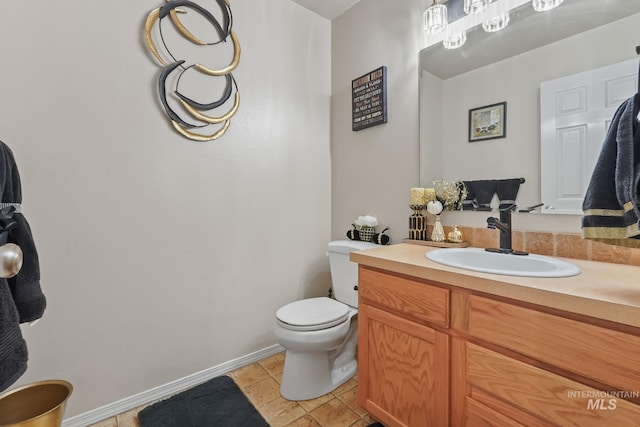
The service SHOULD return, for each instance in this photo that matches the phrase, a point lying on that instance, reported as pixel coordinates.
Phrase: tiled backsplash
(564, 245)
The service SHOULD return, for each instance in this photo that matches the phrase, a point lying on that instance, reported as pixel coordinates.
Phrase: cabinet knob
(355, 288)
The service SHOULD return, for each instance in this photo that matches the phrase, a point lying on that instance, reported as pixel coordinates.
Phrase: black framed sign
(369, 99)
(488, 122)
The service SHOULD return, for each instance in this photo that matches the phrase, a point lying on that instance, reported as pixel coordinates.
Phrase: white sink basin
(514, 265)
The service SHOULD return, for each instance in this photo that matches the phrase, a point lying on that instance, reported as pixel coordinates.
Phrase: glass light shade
(472, 7)
(435, 18)
(454, 41)
(496, 23)
(544, 5)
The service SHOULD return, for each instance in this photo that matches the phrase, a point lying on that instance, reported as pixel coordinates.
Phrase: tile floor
(260, 382)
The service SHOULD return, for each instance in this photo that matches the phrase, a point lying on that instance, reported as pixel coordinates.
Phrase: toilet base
(310, 375)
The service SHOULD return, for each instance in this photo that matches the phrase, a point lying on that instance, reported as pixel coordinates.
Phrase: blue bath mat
(217, 403)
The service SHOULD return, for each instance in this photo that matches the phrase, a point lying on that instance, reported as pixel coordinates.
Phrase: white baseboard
(166, 390)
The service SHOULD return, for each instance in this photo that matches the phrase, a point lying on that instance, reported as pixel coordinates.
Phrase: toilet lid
(313, 313)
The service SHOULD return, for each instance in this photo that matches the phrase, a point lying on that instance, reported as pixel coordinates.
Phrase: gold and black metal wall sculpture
(199, 121)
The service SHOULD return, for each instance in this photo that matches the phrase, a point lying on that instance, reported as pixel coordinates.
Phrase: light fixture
(435, 18)
(544, 5)
(473, 7)
(454, 41)
(455, 36)
(496, 23)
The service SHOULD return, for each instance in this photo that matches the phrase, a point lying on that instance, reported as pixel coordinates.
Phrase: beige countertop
(602, 290)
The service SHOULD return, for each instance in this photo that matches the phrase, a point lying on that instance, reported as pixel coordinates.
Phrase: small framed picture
(488, 122)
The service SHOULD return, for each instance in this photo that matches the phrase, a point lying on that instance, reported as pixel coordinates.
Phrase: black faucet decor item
(504, 225)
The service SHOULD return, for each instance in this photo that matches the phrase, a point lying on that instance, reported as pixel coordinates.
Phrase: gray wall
(374, 168)
(160, 256)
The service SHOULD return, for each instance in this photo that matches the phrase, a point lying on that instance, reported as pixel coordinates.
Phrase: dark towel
(25, 286)
(611, 202)
(484, 190)
(507, 191)
(468, 202)
(13, 349)
(21, 299)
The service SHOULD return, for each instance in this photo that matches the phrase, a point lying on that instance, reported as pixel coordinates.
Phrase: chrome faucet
(504, 225)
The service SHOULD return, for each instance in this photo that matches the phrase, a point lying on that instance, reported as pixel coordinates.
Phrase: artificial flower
(366, 221)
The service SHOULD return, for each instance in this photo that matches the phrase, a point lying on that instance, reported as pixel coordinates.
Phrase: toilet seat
(312, 314)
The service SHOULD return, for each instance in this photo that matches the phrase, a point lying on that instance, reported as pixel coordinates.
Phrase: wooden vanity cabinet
(439, 355)
(403, 359)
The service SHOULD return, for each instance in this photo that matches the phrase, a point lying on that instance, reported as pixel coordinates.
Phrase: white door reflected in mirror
(575, 112)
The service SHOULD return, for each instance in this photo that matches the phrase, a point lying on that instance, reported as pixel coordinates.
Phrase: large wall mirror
(509, 66)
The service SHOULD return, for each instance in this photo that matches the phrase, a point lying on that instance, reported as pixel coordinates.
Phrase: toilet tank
(344, 273)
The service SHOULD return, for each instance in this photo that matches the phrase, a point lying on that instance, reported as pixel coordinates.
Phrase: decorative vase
(438, 231)
(366, 233)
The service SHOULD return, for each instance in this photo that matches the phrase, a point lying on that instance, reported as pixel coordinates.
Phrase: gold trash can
(39, 404)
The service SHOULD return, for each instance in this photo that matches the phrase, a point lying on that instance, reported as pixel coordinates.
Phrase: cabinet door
(403, 370)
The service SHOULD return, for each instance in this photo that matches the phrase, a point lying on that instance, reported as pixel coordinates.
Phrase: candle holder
(417, 223)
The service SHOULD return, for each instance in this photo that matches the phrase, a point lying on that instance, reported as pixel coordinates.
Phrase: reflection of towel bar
(530, 208)
(522, 180)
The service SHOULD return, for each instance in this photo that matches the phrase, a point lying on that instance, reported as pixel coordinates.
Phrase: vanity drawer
(605, 355)
(406, 297)
(509, 386)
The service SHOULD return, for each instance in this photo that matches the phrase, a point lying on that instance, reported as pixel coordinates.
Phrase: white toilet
(320, 334)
